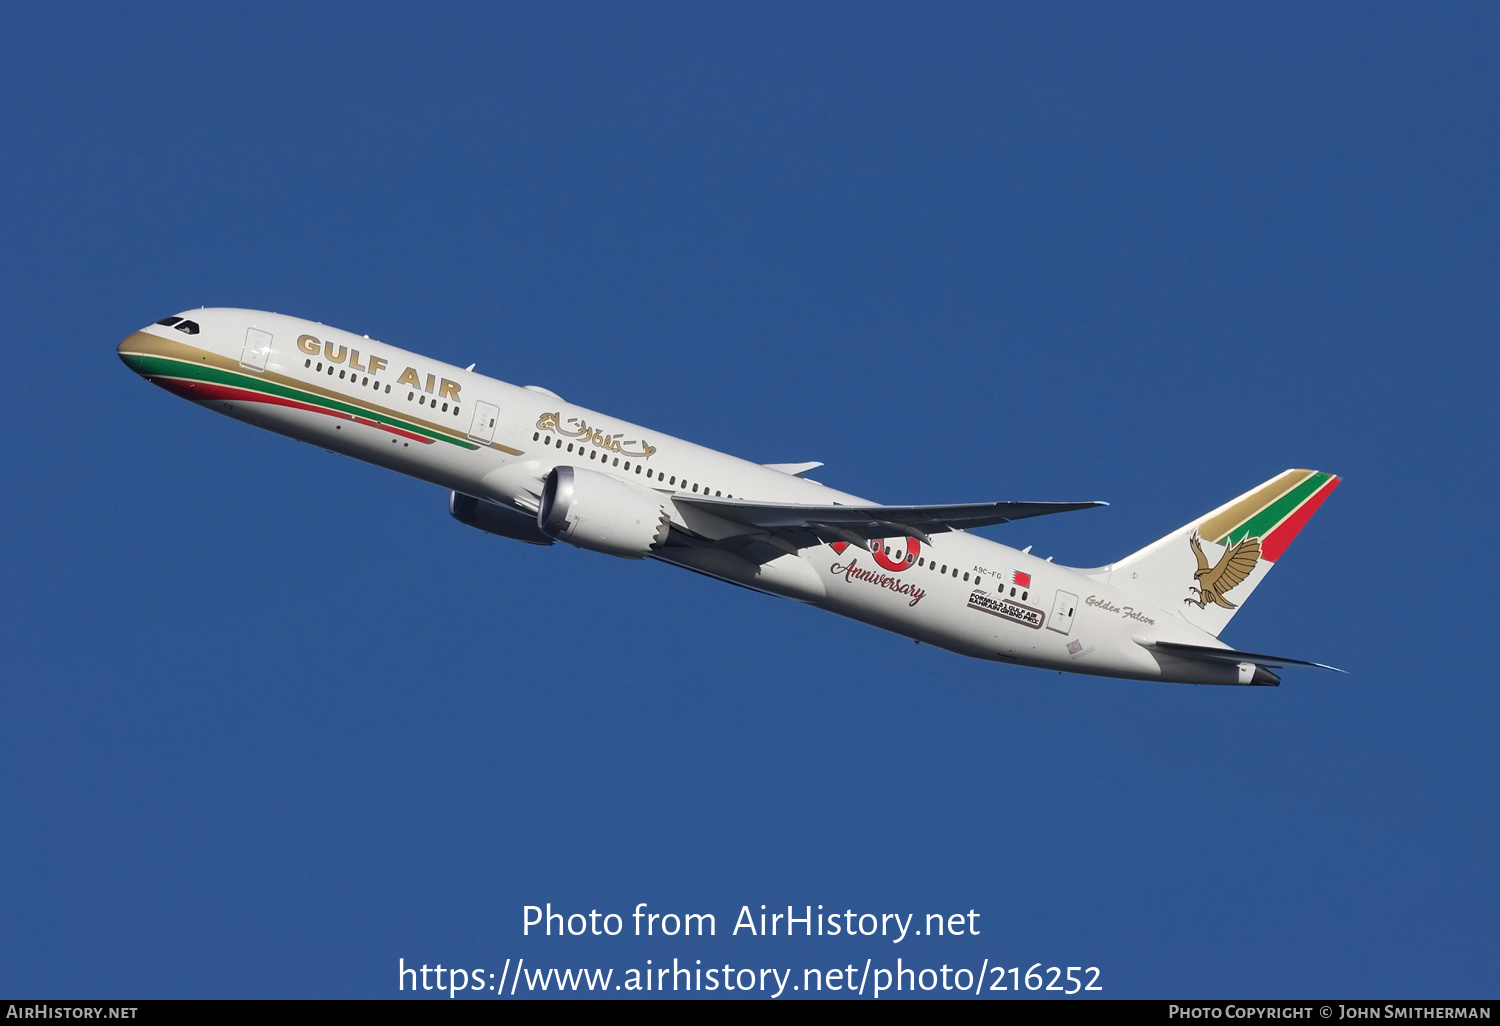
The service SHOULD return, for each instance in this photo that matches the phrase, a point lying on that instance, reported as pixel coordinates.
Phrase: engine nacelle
(602, 513)
(493, 518)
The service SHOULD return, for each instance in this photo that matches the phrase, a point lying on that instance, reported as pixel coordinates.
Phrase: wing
(804, 526)
(795, 469)
(1234, 566)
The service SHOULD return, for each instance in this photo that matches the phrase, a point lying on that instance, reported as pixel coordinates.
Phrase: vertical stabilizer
(1206, 569)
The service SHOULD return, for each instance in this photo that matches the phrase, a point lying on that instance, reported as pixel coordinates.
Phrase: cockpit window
(169, 321)
(191, 327)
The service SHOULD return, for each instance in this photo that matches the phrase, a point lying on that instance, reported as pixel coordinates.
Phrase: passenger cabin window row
(181, 324)
(922, 561)
(650, 473)
(906, 558)
(422, 400)
(364, 380)
(353, 378)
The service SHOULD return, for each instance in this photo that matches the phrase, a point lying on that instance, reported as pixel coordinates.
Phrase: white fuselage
(963, 593)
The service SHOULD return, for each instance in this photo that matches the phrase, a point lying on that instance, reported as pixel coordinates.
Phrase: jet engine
(493, 518)
(595, 511)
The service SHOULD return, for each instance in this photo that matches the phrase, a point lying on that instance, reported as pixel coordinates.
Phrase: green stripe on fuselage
(162, 366)
(1263, 522)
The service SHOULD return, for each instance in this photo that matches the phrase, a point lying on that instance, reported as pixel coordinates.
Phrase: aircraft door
(257, 349)
(1063, 609)
(485, 417)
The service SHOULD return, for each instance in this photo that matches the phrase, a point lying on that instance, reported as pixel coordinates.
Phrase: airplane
(525, 464)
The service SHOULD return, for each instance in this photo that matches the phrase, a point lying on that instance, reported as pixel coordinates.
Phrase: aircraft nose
(139, 346)
(129, 352)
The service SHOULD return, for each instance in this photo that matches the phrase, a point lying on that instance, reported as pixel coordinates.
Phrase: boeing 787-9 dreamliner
(523, 463)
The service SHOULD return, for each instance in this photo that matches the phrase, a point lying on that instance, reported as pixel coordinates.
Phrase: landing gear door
(1063, 609)
(257, 349)
(483, 428)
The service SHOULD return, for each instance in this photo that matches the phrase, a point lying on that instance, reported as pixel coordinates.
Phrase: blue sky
(271, 720)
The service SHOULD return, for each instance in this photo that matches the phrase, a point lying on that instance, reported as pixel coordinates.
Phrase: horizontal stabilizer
(1210, 654)
(805, 526)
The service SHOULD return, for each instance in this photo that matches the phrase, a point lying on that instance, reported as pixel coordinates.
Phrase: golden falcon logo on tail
(1233, 567)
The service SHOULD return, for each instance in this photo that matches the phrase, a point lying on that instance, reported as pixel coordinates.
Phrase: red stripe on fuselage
(201, 391)
(1274, 544)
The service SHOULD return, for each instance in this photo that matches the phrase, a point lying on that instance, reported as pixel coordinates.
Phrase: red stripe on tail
(1274, 544)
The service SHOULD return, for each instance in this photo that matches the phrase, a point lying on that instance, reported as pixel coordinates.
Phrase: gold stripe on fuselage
(147, 344)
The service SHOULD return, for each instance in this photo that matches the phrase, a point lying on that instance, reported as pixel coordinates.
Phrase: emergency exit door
(257, 349)
(1063, 609)
(483, 428)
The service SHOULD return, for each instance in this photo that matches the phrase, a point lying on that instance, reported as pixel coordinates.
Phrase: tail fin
(1207, 569)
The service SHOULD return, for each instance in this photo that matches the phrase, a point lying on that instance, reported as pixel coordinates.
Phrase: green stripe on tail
(1264, 521)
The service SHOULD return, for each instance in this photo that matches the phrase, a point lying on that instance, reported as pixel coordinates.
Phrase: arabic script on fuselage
(578, 429)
